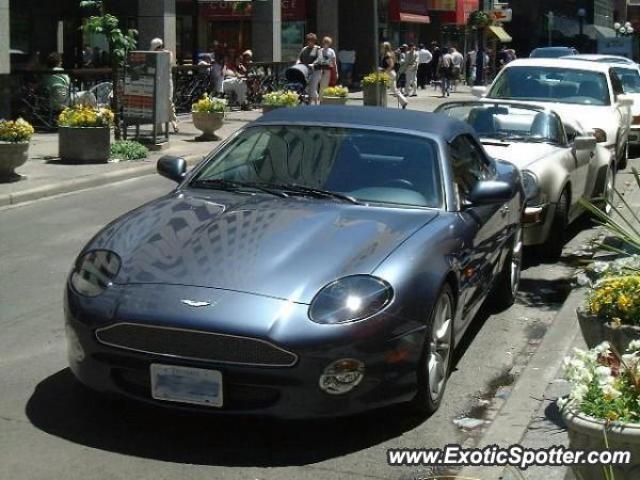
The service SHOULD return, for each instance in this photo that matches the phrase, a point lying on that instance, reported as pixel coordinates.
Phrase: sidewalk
(529, 416)
(45, 175)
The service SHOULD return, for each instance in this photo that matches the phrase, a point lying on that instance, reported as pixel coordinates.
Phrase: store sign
(219, 10)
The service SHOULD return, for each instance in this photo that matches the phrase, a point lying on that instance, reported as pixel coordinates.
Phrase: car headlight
(350, 299)
(94, 272)
(531, 186)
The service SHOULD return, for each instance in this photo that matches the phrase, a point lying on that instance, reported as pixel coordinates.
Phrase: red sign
(461, 15)
(292, 10)
(413, 11)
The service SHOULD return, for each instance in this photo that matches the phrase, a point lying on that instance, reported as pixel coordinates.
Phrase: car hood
(521, 154)
(286, 248)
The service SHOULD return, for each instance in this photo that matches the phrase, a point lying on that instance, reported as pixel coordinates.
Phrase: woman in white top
(325, 62)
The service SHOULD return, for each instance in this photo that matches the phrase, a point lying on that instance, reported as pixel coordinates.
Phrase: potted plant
(14, 146)
(479, 19)
(208, 116)
(335, 95)
(279, 99)
(374, 89)
(84, 133)
(612, 311)
(602, 410)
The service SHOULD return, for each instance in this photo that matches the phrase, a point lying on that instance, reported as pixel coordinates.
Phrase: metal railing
(39, 96)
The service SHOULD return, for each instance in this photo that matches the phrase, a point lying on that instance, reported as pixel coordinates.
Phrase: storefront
(453, 23)
(404, 21)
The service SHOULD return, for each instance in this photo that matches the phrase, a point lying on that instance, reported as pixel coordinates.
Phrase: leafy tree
(120, 44)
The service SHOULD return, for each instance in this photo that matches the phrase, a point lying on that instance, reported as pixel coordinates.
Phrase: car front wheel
(555, 242)
(435, 361)
(505, 289)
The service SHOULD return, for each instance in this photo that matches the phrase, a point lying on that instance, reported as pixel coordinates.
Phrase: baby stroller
(297, 78)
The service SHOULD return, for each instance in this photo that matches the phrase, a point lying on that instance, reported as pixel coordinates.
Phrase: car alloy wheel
(504, 290)
(515, 263)
(607, 193)
(555, 242)
(439, 355)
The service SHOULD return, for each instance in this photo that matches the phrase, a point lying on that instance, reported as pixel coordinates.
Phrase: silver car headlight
(94, 272)
(531, 186)
(350, 299)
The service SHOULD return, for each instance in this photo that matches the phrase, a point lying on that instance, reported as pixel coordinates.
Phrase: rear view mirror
(479, 91)
(585, 143)
(625, 101)
(173, 168)
(488, 192)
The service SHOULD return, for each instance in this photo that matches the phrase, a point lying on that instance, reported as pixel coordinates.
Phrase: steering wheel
(400, 182)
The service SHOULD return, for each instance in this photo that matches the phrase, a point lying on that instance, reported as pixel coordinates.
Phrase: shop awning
(413, 18)
(500, 32)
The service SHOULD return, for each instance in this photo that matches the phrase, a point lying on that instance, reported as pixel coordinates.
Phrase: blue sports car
(322, 261)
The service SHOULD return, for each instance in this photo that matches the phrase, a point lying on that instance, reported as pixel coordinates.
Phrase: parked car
(552, 52)
(559, 160)
(323, 261)
(590, 91)
(629, 73)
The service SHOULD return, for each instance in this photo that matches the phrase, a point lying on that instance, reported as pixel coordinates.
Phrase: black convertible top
(433, 123)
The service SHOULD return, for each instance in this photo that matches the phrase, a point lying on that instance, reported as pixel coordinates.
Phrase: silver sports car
(560, 162)
(323, 261)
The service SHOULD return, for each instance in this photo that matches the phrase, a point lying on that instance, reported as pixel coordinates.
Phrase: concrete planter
(334, 100)
(587, 433)
(84, 144)
(595, 331)
(208, 123)
(12, 156)
(374, 95)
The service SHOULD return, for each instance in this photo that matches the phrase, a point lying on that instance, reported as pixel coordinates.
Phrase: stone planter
(84, 144)
(334, 100)
(208, 123)
(595, 331)
(374, 95)
(587, 433)
(12, 156)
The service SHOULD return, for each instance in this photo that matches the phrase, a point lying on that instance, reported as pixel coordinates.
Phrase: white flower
(630, 359)
(610, 392)
(603, 349)
(578, 393)
(634, 346)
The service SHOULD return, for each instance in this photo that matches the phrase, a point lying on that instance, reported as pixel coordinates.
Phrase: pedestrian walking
(347, 60)
(457, 64)
(424, 59)
(157, 45)
(411, 71)
(325, 63)
(435, 62)
(444, 73)
(401, 67)
(387, 65)
(308, 56)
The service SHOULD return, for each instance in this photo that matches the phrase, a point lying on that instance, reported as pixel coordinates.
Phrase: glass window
(630, 79)
(370, 166)
(469, 165)
(562, 85)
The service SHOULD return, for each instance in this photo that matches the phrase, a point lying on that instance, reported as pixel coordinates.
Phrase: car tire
(606, 192)
(505, 289)
(552, 248)
(624, 158)
(437, 352)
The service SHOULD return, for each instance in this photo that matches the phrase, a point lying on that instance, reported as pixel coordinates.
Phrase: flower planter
(595, 331)
(334, 100)
(208, 123)
(587, 433)
(374, 95)
(84, 144)
(12, 156)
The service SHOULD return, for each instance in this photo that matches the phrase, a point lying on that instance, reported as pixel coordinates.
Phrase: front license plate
(186, 385)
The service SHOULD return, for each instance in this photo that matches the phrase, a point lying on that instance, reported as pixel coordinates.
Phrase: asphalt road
(53, 429)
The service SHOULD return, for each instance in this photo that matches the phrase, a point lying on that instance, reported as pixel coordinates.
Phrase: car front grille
(195, 345)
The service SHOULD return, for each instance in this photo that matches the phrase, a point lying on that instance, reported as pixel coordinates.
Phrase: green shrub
(128, 150)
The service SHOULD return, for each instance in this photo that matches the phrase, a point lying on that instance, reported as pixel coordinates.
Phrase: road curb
(513, 419)
(88, 181)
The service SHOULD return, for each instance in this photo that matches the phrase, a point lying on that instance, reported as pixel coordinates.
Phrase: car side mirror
(489, 192)
(625, 101)
(173, 168)
(478, 91)
(585, 143)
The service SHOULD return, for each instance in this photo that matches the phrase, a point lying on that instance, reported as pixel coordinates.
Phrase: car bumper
(536, 222)
(390, 357)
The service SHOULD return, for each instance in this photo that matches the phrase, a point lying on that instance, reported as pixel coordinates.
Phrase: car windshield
(552, 84)
(553, 52)
(363, 165)
(630, 78)
(508, 122)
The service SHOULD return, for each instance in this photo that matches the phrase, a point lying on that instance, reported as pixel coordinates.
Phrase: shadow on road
(60, 406)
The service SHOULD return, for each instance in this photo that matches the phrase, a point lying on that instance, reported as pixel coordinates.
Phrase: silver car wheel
(607, 195)
(516, 262)
(440, 347)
